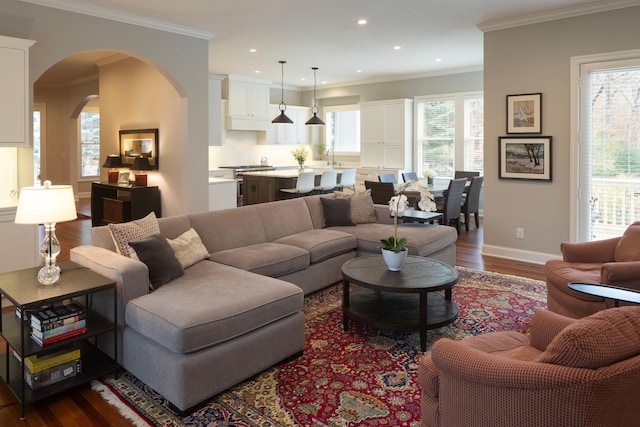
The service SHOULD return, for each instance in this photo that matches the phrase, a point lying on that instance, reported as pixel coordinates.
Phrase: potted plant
(394, 250)
(300, 154)
(429, 174)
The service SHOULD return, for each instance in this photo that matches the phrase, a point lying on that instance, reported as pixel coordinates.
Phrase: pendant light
(282, 118)
(315, 120)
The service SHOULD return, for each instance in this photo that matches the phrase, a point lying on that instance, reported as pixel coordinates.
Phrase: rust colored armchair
(567, 372)
(613, 261)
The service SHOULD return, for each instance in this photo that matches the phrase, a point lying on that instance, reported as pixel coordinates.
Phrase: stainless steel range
(238, 171)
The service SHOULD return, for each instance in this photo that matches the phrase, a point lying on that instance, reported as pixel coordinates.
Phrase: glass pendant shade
(314, 120)
(282, 117)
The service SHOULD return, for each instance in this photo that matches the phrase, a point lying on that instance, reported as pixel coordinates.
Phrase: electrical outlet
(519, 233)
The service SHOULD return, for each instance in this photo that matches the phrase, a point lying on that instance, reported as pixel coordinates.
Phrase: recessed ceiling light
(358, 71)
(252, 50)
(438, 59)
(257, 71)
(324, 82)
(362, 21)
(303, 78)
(397, 48)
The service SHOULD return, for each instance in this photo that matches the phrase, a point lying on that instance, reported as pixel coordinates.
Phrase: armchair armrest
(545, 325)
(594, 251)
(624, 274)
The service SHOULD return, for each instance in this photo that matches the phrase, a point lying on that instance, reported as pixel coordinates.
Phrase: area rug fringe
(114, 400)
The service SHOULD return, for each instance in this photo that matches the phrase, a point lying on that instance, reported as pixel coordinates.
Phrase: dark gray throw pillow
(337, 212)
(156, 253)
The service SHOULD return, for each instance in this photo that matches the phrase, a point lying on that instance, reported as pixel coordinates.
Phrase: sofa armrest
(590, 252)
(382, 212)
(131, 277)
(545, 325)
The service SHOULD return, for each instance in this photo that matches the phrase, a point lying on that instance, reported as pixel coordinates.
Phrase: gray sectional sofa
(237, 312)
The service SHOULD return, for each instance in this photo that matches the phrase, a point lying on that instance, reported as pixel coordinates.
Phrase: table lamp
(113, 161)
(141, 164)
(47, 205)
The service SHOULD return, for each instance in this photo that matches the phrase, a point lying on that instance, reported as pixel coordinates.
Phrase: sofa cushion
(269, 259)
(628, 247)
(133, 231)
(337, 212)
(284, 218)
(362, 209)
(188, 248)
(229, 228)
(158, 256)
(561, 273)
(508, 344)
(601, 339)
(210, 304)
(321, 244)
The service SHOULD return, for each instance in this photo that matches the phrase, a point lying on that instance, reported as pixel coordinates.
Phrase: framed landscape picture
(525, 157)
(139, 143)
(524, 113)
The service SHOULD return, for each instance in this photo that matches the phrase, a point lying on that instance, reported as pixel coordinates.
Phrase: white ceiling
(325, 33)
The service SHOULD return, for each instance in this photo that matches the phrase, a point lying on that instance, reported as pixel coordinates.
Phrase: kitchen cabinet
(289, 134)
(386, 134)
(222, 194)
(15, 120)
(247, 103)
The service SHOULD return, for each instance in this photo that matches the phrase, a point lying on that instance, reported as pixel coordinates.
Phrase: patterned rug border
(144, 407)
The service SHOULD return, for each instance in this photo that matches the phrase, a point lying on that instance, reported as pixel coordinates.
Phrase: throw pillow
(362, 209)
(337, 212)
(188, 248)
(601, 339)
(628, 247)
(156, 253)
(133, 231)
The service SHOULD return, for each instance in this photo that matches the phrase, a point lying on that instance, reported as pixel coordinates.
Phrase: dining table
(437, 189)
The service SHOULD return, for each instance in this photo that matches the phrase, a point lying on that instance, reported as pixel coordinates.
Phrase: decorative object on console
(300, 154)
(282, 118)
(139, 143)
(113, 161)
(315, 120)
(47, 205)
(141, 164)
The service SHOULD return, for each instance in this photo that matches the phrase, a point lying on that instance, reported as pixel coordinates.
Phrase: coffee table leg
(345, 304)
(423, 321)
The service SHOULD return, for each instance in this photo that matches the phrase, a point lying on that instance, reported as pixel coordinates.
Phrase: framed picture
(524, 113)
(136, 143)
(123, 178)
(525, 157)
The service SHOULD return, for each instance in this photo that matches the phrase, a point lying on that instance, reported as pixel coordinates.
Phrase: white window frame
(339, 108)
(42, 108)
(459, 127)
(81, 178)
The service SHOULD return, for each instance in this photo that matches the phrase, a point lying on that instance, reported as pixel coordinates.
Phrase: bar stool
(304, 184)
(328, 182)
(347, 180)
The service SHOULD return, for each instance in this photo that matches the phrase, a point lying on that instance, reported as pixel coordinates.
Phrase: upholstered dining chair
(451, 206)
(304, 185)
(409, 176)
(471, 201)
(381, 192)
(347, 180)
(388, 177)
(328, 182)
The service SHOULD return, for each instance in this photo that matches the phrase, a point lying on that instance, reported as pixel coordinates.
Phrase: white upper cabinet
(15, 118)
(247, 103)
(386, 134)
(289, 134)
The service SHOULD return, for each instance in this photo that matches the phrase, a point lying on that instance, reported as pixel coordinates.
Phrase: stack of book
(58, 323)
(42, 371)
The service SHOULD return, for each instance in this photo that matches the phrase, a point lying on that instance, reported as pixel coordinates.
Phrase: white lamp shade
(46, 204)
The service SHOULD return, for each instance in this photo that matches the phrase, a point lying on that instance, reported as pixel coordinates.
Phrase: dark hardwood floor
(83, 407)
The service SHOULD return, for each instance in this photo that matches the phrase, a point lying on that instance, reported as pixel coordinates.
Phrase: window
(450, 133)
(342, 128)
(89, 124)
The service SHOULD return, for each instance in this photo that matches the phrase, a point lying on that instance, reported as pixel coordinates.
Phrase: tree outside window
(89, 143)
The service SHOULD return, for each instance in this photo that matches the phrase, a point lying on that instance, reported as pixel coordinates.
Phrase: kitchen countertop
(221, 180)
(287, 173)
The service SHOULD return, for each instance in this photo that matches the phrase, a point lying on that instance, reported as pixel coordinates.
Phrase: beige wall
(529, 59)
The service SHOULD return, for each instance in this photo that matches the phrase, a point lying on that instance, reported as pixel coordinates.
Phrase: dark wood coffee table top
(417, 273)
(607, 291)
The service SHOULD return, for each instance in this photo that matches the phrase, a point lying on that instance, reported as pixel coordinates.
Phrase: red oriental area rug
(361, 377)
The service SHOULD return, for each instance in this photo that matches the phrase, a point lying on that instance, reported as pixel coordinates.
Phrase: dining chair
(381, 192)
(328, 182)
(304, 185)
(347, 180)
(452, 204)
(465, 174)
(388, 177)
(471, 202)
(409, 176)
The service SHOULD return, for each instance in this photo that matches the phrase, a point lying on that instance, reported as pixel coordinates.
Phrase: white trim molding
(530, 257)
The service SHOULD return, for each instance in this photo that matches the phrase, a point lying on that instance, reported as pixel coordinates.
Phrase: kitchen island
(264, 186)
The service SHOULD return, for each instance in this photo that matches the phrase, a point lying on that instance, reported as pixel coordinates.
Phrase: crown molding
(112, 15)
(552, 15)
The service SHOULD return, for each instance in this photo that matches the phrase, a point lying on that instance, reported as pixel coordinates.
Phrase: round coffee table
(386, 299)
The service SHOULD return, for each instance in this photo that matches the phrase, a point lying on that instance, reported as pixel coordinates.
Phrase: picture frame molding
(144, 135)
(513, 127)
(507, 172)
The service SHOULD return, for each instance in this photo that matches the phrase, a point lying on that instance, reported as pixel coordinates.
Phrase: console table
(121, 203)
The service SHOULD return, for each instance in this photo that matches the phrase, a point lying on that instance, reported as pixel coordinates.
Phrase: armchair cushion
(628, 248)
(599, 340)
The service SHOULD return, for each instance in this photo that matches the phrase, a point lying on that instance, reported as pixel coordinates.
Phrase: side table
(28, 295)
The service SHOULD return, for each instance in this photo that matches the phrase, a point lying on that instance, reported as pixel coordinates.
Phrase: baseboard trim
(518, 254)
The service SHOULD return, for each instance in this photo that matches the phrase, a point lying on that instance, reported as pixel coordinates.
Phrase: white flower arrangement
(300, 154)
(428, 173)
